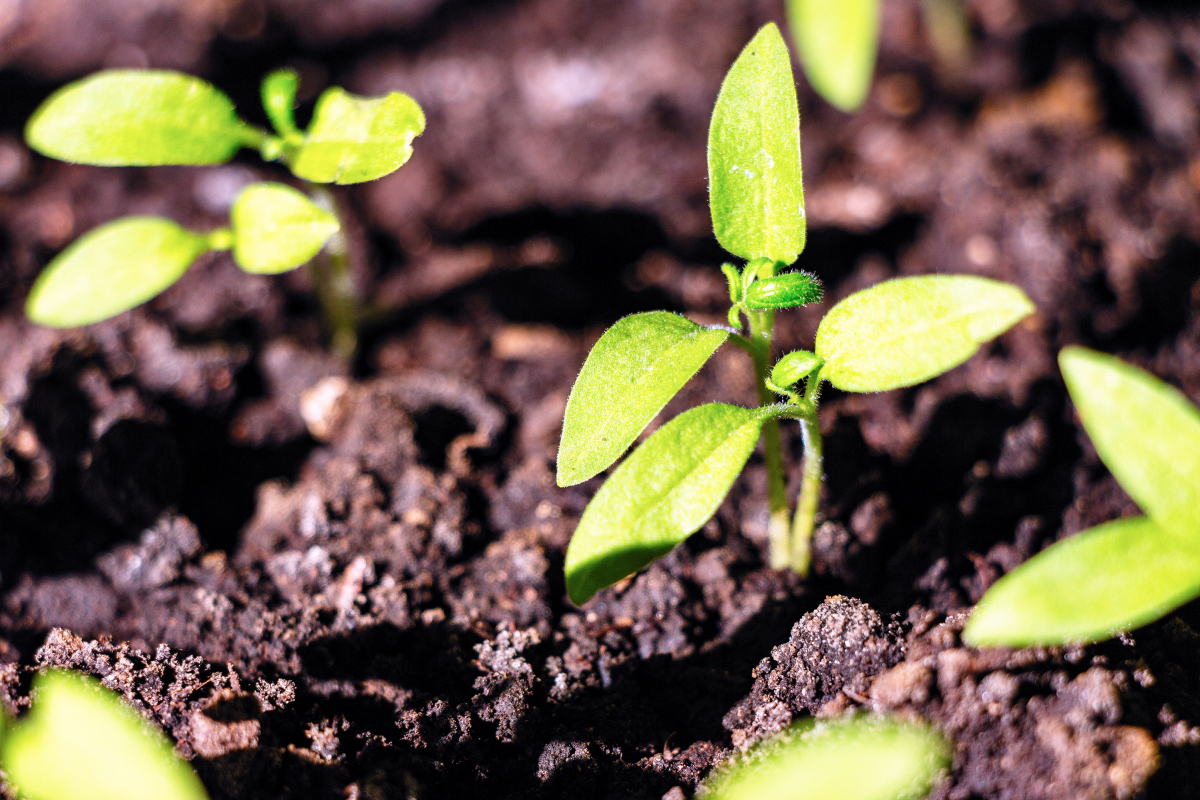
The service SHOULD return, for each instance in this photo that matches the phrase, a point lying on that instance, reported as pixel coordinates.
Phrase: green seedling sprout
(852, 758)
(1123, 574)
(897, 333)
(155, 117)
(80, 742)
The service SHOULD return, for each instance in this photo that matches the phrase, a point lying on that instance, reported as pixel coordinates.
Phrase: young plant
(154, 118)
(1122, 574)
(852, 758)
(80, 742)
(898, 333)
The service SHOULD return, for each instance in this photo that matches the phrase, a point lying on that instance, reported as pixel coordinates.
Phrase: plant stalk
(762, 324)
(810, 486)
(334, 283)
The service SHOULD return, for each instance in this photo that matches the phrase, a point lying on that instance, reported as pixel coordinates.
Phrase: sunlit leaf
(112, 269)
(354, 139)
(1146, 432)
(277, 228)
(905, 331)
(855, 758)
(1111, 578)
(138, 117)
(279, 99)
(788, 290)
(837, 43)
(80, 742)
(634, 369)
(660, 495)
(755, 190)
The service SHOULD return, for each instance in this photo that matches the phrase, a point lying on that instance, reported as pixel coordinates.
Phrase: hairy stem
(810, 486)
(762, 324)
(334, 283)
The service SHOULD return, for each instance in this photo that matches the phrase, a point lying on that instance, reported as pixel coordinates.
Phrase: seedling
(153, 117)
(1122, 574)
(897, 333)
(80, 742)
(852, 758)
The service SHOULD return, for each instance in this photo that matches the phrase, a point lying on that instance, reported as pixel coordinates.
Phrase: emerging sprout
(898, 333)
(853, 758)
(80, 742)
(155, 117)
(1127, 573)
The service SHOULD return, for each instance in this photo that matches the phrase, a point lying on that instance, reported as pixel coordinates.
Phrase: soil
(357, 592)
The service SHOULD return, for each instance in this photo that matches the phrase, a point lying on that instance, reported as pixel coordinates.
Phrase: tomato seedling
(154, 118)
(897, 333)
(1122, 574)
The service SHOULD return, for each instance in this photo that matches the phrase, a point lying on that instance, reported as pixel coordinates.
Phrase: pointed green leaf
(637, 366)
(1146, 432)
(851, 758)
(138, 118)
(660, 495)
(354, 139)
(111, 269)
(279, 100)
(276, 228)
(837, 43)
(788, 290)
(905, 331)
(1111, 578)
(755, 189)
(80, 742)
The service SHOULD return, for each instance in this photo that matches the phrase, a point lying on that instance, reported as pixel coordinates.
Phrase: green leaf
(637, 366)
(793, 366)
(788, 290)
(1111, 578)
(279, 100)
(905, 331)
(354, 139)
(111, 269)
(755, 188)
(660, 495)
(1146, 432)
(852, 758)
(138, 118)
(80, 742)
(276, 228)
(837, 43)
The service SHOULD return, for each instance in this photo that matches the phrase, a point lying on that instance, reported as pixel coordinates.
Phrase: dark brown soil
(366, 600)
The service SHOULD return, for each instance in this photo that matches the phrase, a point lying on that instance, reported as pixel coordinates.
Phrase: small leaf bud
(784, 291)
(794, 366)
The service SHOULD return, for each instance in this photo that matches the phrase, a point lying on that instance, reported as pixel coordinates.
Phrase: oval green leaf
(111, 269)
(905, 331)
(80, 742)
(660, 495)
(638, 365)
(1146, 432)
(855, 758)
(1111, 578)
(354, 139)
(788, 290)
(793, 366)
(755, 190)
(276, 228)
(138, 118)
(837, 43)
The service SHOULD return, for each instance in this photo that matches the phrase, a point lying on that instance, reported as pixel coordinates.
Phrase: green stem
(334, 283)
(762, 324)
(813, 471)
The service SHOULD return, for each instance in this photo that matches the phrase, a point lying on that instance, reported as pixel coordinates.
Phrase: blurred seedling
(852, 758)
(897, 333)
(1123, 574)
(837, 43)
(154, 118)
(81, 742)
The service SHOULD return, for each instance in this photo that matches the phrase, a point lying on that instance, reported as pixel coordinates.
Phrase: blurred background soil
(372, 605)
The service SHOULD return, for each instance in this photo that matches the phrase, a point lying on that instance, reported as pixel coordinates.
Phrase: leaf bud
(793, 366)
(784, 291)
